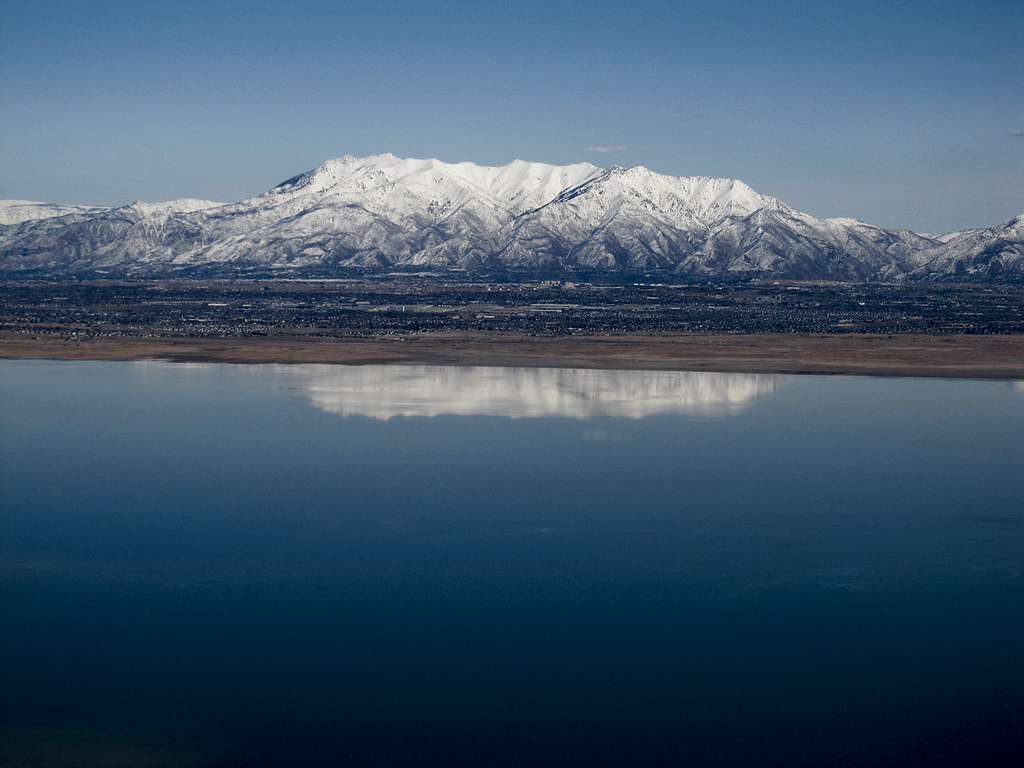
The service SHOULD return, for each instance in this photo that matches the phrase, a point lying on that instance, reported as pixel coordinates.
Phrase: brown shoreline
(981, 357)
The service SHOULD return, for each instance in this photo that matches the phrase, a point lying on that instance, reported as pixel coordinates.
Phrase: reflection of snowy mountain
(383, 392)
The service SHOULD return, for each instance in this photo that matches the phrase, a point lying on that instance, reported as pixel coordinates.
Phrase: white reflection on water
(387, 391)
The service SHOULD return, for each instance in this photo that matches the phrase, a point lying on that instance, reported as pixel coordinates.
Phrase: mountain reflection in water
(828, 575)
(386, 391)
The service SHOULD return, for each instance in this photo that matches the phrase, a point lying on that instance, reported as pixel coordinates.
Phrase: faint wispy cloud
(1016, 135)
(606, 147)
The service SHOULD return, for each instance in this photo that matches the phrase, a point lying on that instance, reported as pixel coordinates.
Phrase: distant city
(383, 305)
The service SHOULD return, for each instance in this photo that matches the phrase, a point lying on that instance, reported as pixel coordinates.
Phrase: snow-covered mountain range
(388, 212)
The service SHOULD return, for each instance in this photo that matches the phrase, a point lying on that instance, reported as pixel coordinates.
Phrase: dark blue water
(249, 566)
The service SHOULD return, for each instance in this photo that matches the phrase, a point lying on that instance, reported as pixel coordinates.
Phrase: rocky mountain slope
(387, 212)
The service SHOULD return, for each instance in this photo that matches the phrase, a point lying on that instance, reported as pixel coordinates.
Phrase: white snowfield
(384, 211)
(17, 211)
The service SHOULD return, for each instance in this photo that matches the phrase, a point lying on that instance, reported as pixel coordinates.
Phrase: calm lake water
(310, 565)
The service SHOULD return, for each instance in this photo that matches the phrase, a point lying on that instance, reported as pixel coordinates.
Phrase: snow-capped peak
(18, 211)
(699, 200)
(386, 211)
(171, 207)
(518, 185)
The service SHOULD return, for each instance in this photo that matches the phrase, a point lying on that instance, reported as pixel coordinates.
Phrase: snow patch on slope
(18, 211)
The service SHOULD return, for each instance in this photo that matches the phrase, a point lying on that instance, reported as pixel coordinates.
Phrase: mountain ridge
(383, 211)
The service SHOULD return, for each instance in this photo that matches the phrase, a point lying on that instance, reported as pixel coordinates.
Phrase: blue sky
(899, 113)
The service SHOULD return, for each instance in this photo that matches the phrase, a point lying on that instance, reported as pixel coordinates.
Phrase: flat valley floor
(963, 331)
(962, 356)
